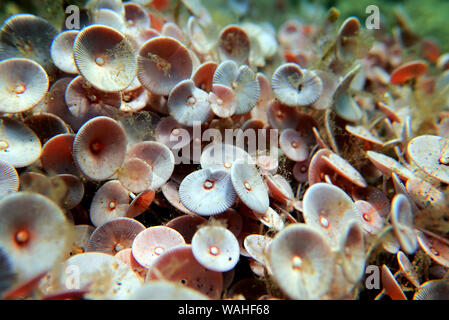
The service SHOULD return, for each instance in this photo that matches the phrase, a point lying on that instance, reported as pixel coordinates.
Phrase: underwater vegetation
(215, 150)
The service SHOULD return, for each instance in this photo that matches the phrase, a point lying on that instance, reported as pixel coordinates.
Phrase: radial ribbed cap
(108, 278)
(345, 169)
(173, 134)
(135, 99)
(257, 246)
(105, 58)
(46, 125)
(126, 256)
(166, 290)
(301, 261)
(300, 171)
(242, 80)
(249, 186)
(296, 87)
(109, 18)
(207, 191)
(281, 116)
(9, 179)
(222, 101)
(19, 145)
(234, 44)
(135, 175)
(111, 201)
(187, 225)
(28, 36)
(99, 148)
(153, 242)
(36, 236)
(62, 51)
(115, 5)
(114, 236)
(69, 190)
(408, 71)
(56, 103)
(140, 203)
(433, 290)
(371, 220)
(293, 145)
(57, 155)
(402, 221)
(329, 209)
(179, 265)
(271, 219)
(436, 247)
(189, 104)
(431, 154)
(158, 156)
(223, 155)
(279, 188)
(318, 167)
(136, 17)
(364, 134)
(204, 75)
(85, 101)
(23, 84)
(389, 165)
(162, 63)
(171, 29)
(215, 248)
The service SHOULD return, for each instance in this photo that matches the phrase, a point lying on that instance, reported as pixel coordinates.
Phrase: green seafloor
(425, 18)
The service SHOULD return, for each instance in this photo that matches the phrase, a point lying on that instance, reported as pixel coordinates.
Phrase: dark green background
(428, 18)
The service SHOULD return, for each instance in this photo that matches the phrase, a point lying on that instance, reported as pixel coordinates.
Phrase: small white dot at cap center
(112, 204)
(118, 247)
(324, 222)
(247, 185)
(191, 101)
(208, 184)
(214, 251)
(158, 251)
(3, 145)
(19, 89)
(296, 262)
(99, 61)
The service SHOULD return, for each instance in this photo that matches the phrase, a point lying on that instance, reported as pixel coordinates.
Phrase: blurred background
(426, 18)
